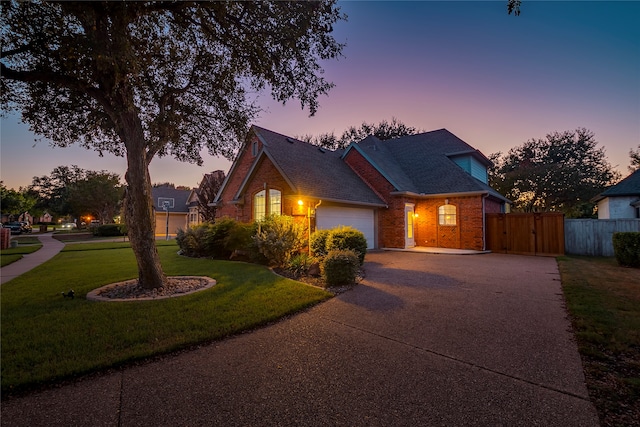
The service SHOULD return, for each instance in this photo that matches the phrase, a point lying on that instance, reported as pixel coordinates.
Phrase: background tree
(635, 159)
(383, 131)
(52, 191)
(559, 173)
(206, 193)
(16, 202)
(98, 194)
(146, 79)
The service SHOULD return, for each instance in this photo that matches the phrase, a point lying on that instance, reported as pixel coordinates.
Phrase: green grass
(46, 338)
(604, 302)
(10, 255)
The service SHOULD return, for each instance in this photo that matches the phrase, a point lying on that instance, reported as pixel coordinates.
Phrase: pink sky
(493, 80)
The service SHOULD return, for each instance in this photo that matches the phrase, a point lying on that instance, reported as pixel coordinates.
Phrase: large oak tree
(147, 79)
(560, 172)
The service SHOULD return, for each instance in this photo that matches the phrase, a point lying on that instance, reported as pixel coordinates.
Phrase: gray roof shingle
(630, 186)
(421, 163)
(180, 198)
(316, 172)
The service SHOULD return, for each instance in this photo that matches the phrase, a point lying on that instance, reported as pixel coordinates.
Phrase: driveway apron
(424, 340)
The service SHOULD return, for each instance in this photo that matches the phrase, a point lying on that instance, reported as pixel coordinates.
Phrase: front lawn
(46, 338)
(604, 302)
(25, 247)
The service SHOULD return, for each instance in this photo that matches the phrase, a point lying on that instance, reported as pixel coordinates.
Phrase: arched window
(447, 215)
(259, 206)
(275, 202)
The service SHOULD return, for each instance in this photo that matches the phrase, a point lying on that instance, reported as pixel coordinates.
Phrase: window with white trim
(447, 215)
(263, 207)
(259, 205)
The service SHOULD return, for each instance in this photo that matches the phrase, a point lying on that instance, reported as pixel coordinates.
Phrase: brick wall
(243, 163)
(466, 234)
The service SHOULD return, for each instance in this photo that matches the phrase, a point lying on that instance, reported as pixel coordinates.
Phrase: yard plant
(46, 338)
(603, 299)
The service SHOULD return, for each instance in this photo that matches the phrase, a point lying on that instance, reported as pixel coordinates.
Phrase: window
(254, 148)
(447, 215)
(275, 202)
(259, 206)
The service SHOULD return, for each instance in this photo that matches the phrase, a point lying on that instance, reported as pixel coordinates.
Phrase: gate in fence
(526, 233)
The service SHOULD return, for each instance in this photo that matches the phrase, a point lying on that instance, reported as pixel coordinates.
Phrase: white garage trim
(359, 218)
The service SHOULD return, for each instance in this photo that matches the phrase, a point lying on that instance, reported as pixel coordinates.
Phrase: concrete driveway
(426, 340)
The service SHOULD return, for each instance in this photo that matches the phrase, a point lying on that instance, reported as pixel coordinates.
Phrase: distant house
(207, 189)
(428, 189)
(177, 210)
(621, 201)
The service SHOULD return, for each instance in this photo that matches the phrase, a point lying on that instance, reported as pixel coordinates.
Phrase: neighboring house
(205, 191)
(621, 201)
(428, 189)
(178, 210)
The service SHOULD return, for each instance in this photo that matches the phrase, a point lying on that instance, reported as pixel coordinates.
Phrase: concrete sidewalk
(424, 340)
(50, 247)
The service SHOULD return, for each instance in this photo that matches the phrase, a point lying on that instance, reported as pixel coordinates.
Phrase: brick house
(428, 189)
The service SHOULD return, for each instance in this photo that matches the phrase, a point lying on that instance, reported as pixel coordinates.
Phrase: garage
(358, 218)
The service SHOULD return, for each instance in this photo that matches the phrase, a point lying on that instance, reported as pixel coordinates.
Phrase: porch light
(300, 203)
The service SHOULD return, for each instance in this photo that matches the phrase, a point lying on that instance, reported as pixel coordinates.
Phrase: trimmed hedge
(340, 267)
(108, 230)
(279, 237)
(626, 246)
(215, 240)
(318, 243)
(347, 238)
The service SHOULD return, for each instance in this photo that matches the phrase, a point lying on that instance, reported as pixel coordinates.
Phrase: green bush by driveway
(47, 338)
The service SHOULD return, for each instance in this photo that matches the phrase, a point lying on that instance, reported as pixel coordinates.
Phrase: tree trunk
(138, 205)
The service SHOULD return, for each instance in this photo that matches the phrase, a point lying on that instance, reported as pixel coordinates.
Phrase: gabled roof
(422, 164)
(180, 198)
(630, 186)
(312, 171)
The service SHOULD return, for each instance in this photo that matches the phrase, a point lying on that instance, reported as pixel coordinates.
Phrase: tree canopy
(383, 131)
(78, 192)
(635, 159)
(146, 79)
(16, 202)
(561, 172)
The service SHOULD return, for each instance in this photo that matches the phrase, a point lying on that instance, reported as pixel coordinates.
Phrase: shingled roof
(422, 164)
(313, 171)
(630, 186)
(180, 198)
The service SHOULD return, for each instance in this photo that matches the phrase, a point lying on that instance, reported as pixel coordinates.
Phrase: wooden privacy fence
(594, 236)
(526, 233)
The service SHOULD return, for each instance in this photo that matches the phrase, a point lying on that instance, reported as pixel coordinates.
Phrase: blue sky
(492, 79)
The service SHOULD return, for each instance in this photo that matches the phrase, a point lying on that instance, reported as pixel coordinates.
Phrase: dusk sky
(492, 79)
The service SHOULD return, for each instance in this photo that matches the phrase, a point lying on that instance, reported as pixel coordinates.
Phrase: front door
(409, 238)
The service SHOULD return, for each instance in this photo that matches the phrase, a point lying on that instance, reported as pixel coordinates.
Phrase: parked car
(26, 227)
(68, 225)
(16, 227)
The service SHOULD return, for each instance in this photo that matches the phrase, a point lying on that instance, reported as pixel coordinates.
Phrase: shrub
(344, 238)
(192, 242)
(278, 238)
(107, 230)
(299, 264)
(318, 243)
(340, 267)
(218, 240)
(626, 247)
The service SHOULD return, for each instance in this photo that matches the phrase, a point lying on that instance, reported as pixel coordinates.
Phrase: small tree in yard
(147, 79)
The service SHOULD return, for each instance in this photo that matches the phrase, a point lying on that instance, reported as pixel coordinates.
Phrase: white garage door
(361, 219)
